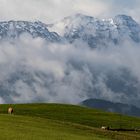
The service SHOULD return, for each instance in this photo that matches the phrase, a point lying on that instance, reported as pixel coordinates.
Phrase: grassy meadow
(63, 122)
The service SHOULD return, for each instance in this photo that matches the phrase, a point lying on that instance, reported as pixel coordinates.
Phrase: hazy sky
(52, 10)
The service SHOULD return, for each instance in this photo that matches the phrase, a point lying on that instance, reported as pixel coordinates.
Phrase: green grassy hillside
(74, 114)
(32, 128)
(63, 122)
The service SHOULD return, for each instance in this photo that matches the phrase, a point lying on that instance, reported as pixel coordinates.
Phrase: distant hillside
(65, 122)
(112, 107)
(74, 114)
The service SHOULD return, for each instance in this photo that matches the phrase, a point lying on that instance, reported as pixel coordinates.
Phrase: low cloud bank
(33, 70)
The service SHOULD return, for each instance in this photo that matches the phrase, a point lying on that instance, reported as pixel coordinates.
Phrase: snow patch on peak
(125, 20)
(98, 31)
(124, 17)
(13, 29)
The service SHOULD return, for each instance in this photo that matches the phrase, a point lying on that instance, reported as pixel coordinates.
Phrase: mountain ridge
(13, 29)
(91, 30)
(96, 31)
(125, 109)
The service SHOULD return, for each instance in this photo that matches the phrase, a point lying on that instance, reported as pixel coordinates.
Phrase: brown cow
(10, 110)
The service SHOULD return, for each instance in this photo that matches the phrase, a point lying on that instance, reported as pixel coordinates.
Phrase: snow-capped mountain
(77, 27)
(13, 29)
(58, 70)
(97, 32)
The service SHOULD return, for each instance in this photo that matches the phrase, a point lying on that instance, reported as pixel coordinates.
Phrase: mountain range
(82, 77)
(95, 31)
(77, 27)
(13, 29)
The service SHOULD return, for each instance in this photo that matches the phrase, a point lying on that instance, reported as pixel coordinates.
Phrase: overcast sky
(52, 10)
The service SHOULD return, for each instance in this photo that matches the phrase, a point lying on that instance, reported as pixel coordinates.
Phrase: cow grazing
(10, 110)
(105, 127)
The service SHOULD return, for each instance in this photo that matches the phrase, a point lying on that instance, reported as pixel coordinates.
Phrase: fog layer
(33, 70)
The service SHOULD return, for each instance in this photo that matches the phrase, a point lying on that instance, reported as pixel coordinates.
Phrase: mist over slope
(66, 67)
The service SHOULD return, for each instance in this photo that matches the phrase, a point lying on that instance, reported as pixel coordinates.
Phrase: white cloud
(65, 72)
(53, 10)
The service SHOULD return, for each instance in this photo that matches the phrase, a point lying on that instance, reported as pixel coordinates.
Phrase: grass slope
(58, 122)
(32, 128)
